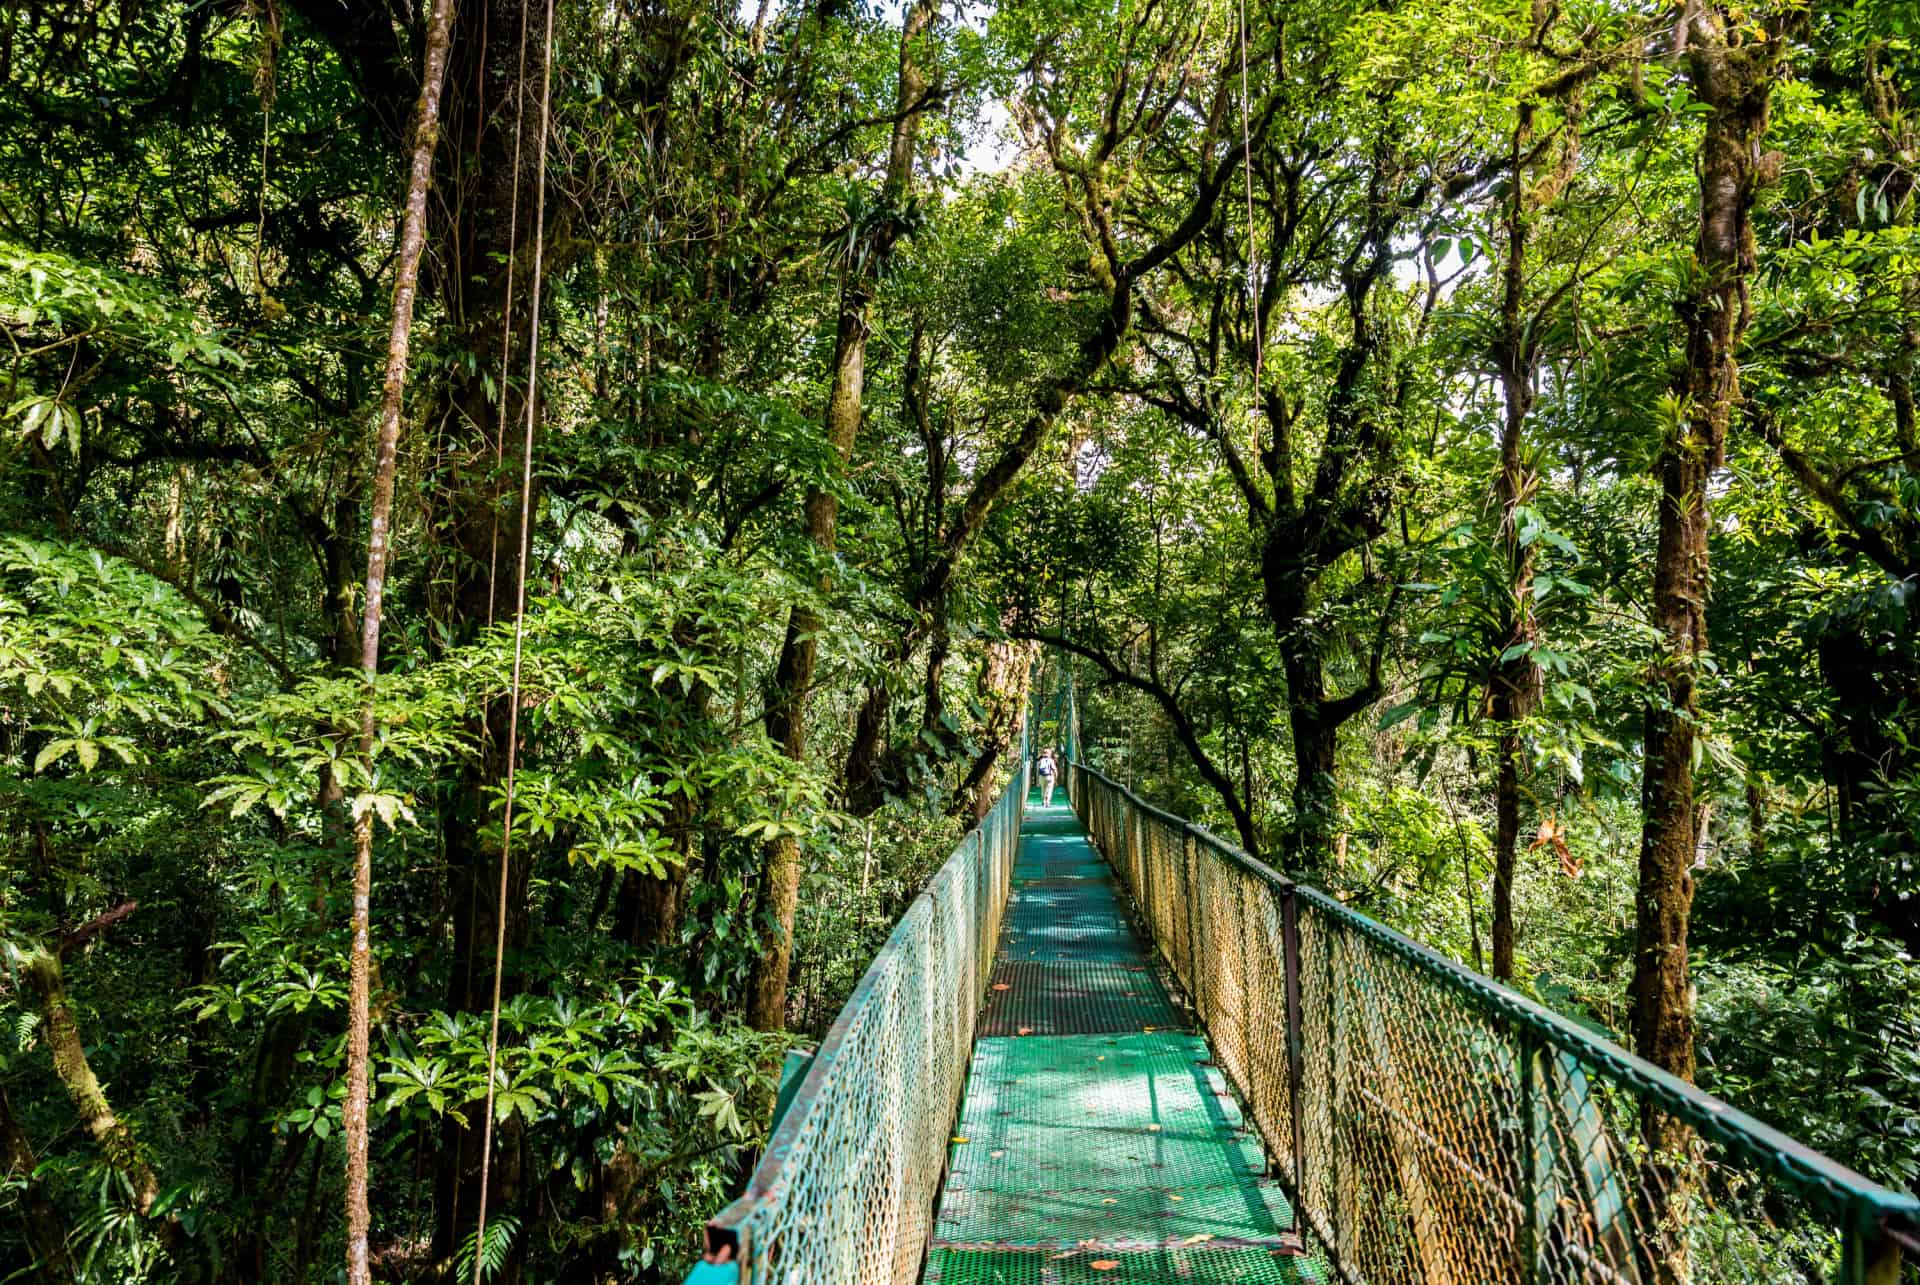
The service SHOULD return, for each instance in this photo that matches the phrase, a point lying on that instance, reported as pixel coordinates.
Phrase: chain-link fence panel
(845, 1191)
(1435, 1128)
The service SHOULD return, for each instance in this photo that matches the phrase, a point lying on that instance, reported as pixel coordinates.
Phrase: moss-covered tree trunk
(1735, 78)
(1733, 72)
(60, 1029)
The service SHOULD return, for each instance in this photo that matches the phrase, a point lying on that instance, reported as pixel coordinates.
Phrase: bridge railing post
(1197, 982)
(1872, 1253)
(1533, 1137)
(1245, 903)
(1296, 1027)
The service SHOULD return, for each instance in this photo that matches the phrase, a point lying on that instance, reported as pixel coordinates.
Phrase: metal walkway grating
(1098, 1142)
(1076, 997)
(1098, 1266)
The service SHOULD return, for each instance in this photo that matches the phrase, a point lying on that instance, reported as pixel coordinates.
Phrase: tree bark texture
(413, 231)
(1734, 77)
(1735, 80)
(1002, 689)
(483, 241)
(44, 976)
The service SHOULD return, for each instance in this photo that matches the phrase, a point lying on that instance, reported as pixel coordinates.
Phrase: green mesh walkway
(1097, 1141)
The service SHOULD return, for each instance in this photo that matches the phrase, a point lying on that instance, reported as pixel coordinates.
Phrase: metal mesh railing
(845, 1191)
(1435, 1127)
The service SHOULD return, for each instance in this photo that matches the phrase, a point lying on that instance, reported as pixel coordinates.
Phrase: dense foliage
(1466, 450)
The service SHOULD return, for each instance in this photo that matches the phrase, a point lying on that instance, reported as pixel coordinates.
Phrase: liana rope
(1246, 158)
(506, 337)
(519, 624)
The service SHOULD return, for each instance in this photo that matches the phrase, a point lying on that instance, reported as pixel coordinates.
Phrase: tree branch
(94, 927)
(1183, 728)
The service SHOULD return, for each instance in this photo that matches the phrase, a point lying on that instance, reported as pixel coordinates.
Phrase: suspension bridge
(1105, 1046)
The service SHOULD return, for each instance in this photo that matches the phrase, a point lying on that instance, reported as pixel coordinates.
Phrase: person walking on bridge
(1048, 770)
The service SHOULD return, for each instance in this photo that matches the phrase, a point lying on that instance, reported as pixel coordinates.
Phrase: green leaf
(1399, 714)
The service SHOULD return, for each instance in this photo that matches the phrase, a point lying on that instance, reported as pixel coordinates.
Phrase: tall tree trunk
(1515, 687)
(1506, 840)
(868, 756)
(646, 911)
(253, 1152)
(872, 767)
(413, 231)
(779, 887)
(1734, 80)
(861, 778)
(484, 241)
(1002, 690)
(1316, 743)
(284, 1033)
(1304, 537)
(1314, 720)
(648, 908)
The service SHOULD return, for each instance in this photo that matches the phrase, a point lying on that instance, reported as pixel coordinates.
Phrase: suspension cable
(519, 630)
(506, 325)
(1246, 157)
(506, 380)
